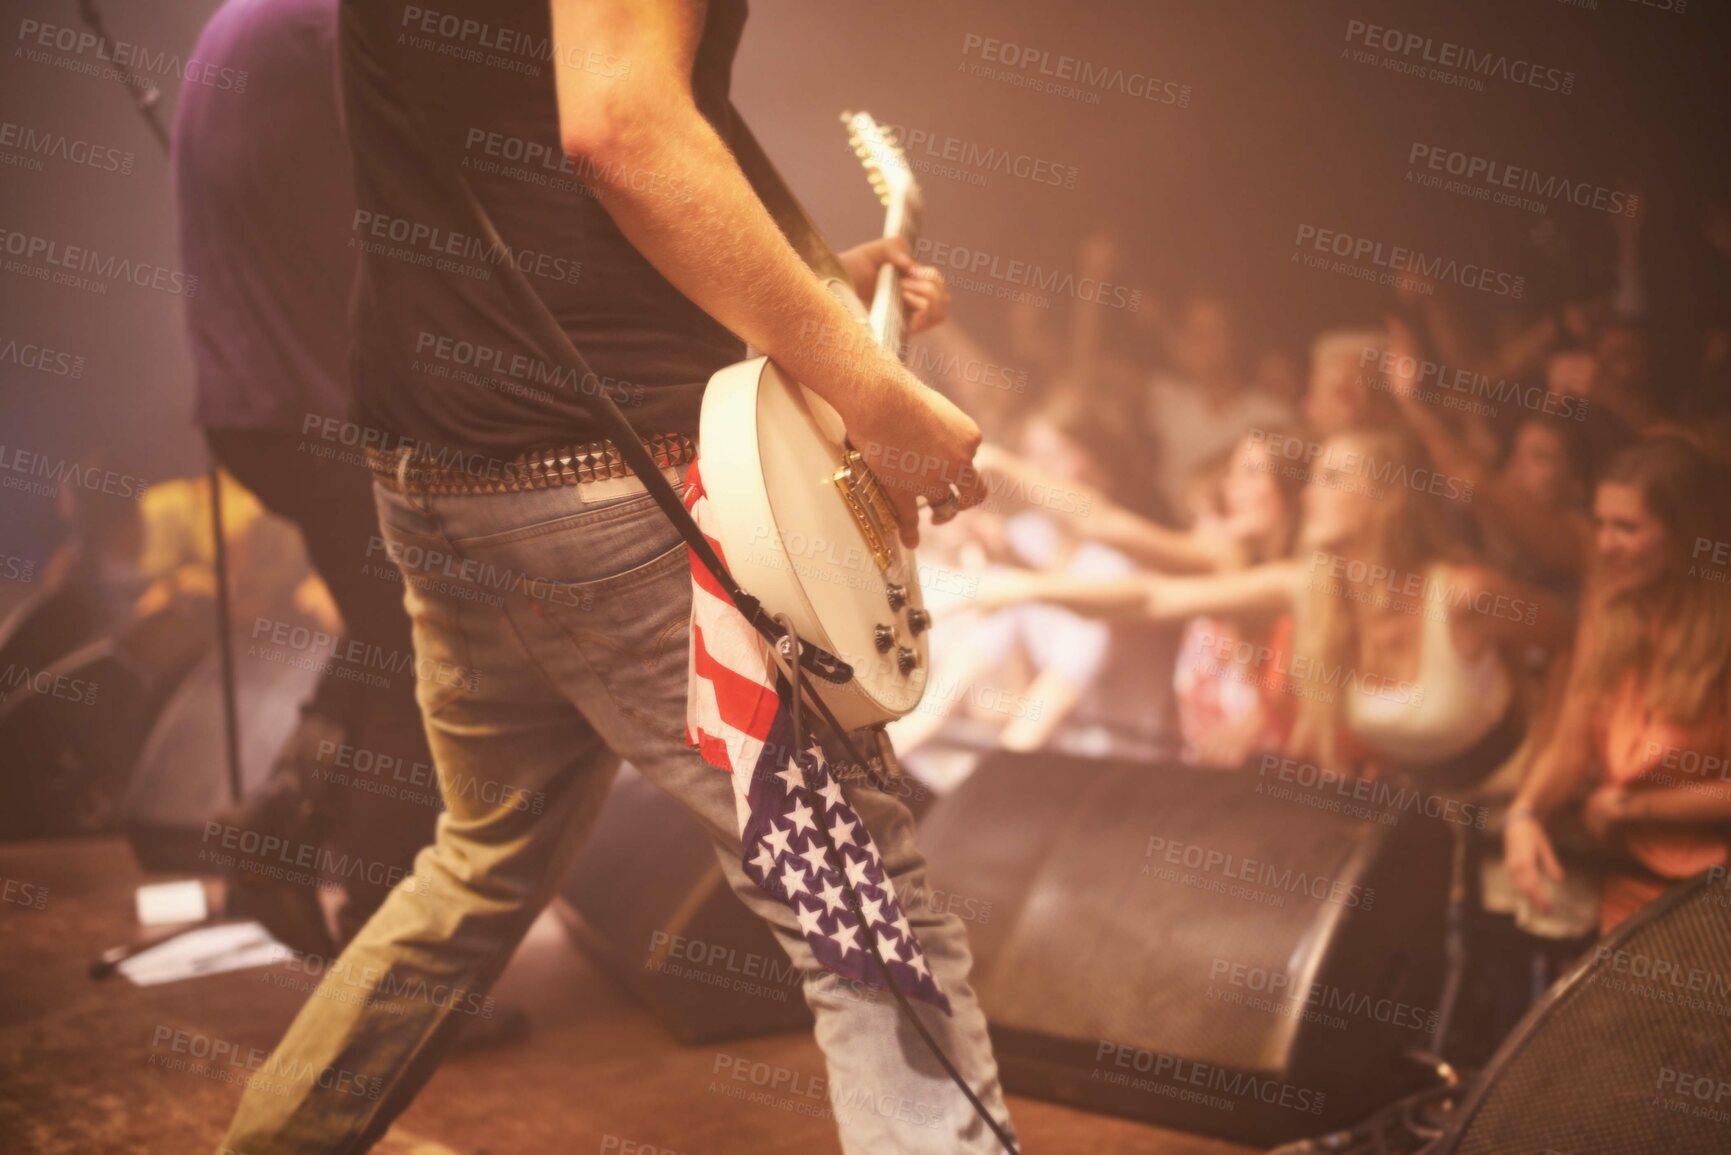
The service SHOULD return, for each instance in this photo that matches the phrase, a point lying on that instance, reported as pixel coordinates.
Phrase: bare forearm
(1703, 804)
(1561, 764)
(1158, 547)
(724, 252)
(1120, 597)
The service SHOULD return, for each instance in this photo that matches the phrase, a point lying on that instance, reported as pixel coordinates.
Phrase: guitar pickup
(870, 506)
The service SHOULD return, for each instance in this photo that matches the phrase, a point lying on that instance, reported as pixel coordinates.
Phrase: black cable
(791, 642)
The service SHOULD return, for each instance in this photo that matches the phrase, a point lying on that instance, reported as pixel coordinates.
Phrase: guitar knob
(898, 595)
(905, 660)
(883, 637)
(919, 620)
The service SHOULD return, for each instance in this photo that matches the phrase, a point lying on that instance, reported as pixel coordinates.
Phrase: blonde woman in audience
(1645, 726)
(1404, 644)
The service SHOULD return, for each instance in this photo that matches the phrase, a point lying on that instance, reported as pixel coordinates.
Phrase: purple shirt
(264, 190)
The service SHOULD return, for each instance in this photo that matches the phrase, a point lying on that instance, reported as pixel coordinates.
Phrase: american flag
(737, 717)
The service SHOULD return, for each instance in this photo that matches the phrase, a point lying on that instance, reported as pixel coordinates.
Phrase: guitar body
(801, 529)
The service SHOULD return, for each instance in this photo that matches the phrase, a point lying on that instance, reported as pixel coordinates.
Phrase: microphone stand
(146, 97)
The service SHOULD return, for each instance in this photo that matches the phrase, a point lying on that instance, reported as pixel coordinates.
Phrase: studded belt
(597, 464)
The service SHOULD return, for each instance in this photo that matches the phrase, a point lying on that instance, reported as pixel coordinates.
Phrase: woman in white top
(1402, 646)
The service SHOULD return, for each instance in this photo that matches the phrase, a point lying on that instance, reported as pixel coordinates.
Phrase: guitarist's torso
(440, 356)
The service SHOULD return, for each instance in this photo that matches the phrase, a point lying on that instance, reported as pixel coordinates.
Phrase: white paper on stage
(209, 950)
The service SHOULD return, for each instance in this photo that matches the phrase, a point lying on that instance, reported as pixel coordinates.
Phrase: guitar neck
(889, 315)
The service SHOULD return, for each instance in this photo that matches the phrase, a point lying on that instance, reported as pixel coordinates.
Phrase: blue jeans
(550, 637)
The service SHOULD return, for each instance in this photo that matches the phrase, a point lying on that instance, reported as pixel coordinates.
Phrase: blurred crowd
(1483, 551)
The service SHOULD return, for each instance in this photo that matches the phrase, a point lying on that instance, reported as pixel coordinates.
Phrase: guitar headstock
(886, 165)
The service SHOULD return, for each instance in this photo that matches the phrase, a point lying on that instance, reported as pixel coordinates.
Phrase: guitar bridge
(870, 506)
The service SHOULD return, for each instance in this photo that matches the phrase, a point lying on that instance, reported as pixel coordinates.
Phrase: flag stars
(817, 856)
(830, 791)
(793, 881)
(842, 831)
(765, 860)
(831, 896)
(800, 816)
(808, 920)
(791, 777)
(776, 840)
(845, 936)
(857, 871)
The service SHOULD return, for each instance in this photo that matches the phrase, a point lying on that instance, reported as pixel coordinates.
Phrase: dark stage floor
(596, 1074)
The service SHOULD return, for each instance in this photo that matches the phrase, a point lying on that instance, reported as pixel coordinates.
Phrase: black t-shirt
(441, 356)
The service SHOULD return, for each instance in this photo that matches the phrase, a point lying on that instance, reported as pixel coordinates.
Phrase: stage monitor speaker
(72, 727)
(646, 898)
(181, 777)
(1249, 954)
(1629, 1053)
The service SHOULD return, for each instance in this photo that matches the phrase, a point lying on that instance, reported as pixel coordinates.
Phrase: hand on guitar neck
(917, 442)
(925, 297)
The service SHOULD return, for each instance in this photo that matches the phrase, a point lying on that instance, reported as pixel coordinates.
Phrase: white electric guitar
(803, 522)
